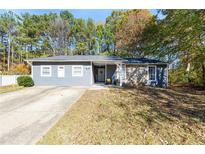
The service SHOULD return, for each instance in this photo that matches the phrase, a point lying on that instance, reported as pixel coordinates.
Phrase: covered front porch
(108, 73)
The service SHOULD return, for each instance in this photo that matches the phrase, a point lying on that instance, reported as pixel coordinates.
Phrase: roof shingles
(79, 58)
(98, 58)
(142, 61)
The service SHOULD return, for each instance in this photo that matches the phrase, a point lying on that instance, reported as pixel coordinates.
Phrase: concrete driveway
(27, 114)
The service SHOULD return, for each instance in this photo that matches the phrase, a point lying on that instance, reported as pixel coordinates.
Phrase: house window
(152, 73)
(46, 71)
(77, 70)
(61, 71)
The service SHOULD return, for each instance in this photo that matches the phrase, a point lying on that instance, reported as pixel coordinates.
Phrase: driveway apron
(27, 114)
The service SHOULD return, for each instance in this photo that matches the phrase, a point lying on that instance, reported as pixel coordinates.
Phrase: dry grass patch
(9, 88)
(132, 116)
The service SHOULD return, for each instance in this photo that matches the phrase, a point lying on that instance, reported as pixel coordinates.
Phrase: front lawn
(132, 116)
(4, 89)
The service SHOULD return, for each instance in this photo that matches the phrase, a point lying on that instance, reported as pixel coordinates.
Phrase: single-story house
(86, 70)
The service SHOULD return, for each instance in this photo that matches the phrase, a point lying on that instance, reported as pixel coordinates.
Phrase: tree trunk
(9, 51)
(188, 71)
(26, 51)
(21, 56)
(12, 55)
(114, 48)
(4, 61)
(203, 73)
(108, 48)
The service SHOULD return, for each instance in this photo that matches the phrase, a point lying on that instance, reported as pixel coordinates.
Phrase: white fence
(6, 80)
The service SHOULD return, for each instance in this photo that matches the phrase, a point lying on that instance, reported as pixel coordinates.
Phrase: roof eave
(76, 60)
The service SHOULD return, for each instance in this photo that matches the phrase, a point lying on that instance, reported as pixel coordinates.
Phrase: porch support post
(121, 74)
(117, 72)
(105, 72)
(91, 73)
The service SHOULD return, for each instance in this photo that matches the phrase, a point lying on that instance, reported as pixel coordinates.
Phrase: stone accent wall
(136, 75)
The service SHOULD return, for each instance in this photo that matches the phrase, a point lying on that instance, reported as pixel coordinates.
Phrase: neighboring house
(83, 70)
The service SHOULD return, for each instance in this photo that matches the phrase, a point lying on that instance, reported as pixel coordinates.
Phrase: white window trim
(155, 72)
(77, 75)
(43, 75)
(63, 72)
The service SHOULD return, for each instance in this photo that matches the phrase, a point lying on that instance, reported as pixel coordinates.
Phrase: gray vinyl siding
(68, 80)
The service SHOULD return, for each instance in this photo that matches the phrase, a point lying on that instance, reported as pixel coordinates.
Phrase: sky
(98, 15)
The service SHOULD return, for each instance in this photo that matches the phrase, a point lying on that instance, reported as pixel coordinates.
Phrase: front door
(101, 75)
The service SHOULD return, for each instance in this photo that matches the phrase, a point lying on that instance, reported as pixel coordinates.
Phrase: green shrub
(25, 81)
